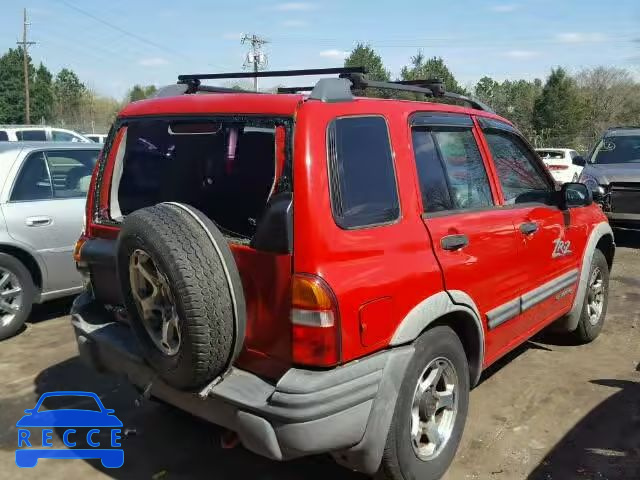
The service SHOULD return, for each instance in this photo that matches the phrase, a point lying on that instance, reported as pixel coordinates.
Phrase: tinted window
(468, 181)
(622, 149)
(33, 181)
(433, 182)
(71, 171)
(521, 180)
(59, 136)
(31, 135)
(363, 183)
(3, 136)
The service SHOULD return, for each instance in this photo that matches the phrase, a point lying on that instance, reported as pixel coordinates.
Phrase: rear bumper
(346, 410)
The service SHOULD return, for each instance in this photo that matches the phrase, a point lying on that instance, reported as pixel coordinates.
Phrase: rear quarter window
(31, 135)
(362, 176)
(3, 136)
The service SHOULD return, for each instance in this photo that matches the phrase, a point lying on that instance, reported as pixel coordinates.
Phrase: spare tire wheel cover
(239, 306)
(185, 299)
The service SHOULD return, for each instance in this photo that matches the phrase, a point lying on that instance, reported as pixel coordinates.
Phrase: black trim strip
(517, 306)
(427, 119)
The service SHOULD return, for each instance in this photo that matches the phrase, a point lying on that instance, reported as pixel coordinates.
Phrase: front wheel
(16, 295)
(596, 299)
(431, 409)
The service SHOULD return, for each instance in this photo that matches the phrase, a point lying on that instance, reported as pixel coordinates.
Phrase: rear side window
(3, 136)
(450, 170)
(31, 135)
(362, 177)
(33, 182)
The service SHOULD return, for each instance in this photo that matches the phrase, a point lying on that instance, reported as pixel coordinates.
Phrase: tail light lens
(315, 322)
(558, 167)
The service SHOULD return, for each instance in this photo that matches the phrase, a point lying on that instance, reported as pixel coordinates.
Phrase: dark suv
(612, 172)
(325, 273)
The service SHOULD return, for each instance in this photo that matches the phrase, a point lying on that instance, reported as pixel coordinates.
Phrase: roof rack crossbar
(272, 73)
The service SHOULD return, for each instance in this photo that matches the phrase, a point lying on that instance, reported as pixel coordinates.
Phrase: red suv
(329, 273)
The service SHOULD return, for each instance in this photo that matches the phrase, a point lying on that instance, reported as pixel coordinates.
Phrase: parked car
(96, 137)
(39, 133)
(329, 273)
(560, 162)
(612, 173)
(43, 188)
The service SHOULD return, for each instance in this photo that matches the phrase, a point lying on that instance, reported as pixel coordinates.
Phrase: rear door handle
(454, 242)
(529, 228)
(38, 221)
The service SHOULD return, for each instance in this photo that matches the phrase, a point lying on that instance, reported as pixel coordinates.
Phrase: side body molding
(570, 321)
(435, 307)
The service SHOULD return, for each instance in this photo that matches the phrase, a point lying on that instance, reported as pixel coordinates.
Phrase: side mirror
(575, 195)
(579, 161)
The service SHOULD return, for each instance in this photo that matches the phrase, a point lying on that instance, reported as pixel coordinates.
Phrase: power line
(256, 57)
(25, 61)
(122, 30)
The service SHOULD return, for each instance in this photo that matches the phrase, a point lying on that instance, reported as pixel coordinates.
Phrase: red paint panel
(266, 279)
(376, 326)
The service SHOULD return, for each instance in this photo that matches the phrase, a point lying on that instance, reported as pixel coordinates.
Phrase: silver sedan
(43, 187)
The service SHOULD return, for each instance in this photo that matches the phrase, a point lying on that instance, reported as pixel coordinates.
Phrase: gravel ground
(548, 411)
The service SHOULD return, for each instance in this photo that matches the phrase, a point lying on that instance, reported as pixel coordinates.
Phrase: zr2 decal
(561, 248)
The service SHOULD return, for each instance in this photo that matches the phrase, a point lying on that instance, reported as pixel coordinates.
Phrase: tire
(175, 256)
(590, 326)
(18, 277)
(400, 460)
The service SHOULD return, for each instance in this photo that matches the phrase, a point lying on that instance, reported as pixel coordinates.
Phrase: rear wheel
(431, 409)
(17, 293)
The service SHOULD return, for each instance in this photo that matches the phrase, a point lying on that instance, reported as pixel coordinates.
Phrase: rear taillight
(558, 167)
(315, 322)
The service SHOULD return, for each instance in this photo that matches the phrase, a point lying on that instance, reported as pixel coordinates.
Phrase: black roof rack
(326, 89)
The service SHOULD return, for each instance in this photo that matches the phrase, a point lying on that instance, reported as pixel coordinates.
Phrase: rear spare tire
(183, 293)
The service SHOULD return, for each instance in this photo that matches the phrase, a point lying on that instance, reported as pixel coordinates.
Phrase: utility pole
(255, 58)
(25, 60)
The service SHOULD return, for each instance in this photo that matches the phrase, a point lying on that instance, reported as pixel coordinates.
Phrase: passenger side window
(450, 170)
(519, 176)
(31, 135)
(71, 171)
(59, 136)
(362, 176)
(33, 181)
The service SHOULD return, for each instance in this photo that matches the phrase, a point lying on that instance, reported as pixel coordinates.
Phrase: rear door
(550, 244)
(474, 239)
(46, 208)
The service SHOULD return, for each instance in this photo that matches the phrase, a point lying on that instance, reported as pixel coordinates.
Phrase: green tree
(559, 112)
(69, 93)
(42, 97)
(365, 56)
(140, 92)
(12, 86)
(434, 67)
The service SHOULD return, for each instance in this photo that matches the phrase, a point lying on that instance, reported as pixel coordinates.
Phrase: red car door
(474, 239)
(547, 241)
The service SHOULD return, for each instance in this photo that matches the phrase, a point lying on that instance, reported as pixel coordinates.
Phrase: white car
(560, 162)
(39, 133)
(96, 137)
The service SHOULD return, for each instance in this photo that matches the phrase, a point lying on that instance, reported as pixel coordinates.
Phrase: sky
(114, 44)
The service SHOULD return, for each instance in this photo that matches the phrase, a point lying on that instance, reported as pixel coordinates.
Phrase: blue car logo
(32, 446)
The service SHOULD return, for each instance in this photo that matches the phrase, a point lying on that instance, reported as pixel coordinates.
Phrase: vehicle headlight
(591, 182)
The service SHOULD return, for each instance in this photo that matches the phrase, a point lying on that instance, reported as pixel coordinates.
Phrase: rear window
(363, 181)
(225, 168)
(31, 135)
(550, 154)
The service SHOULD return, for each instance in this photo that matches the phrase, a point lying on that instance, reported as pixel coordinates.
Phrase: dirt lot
(549, 411)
